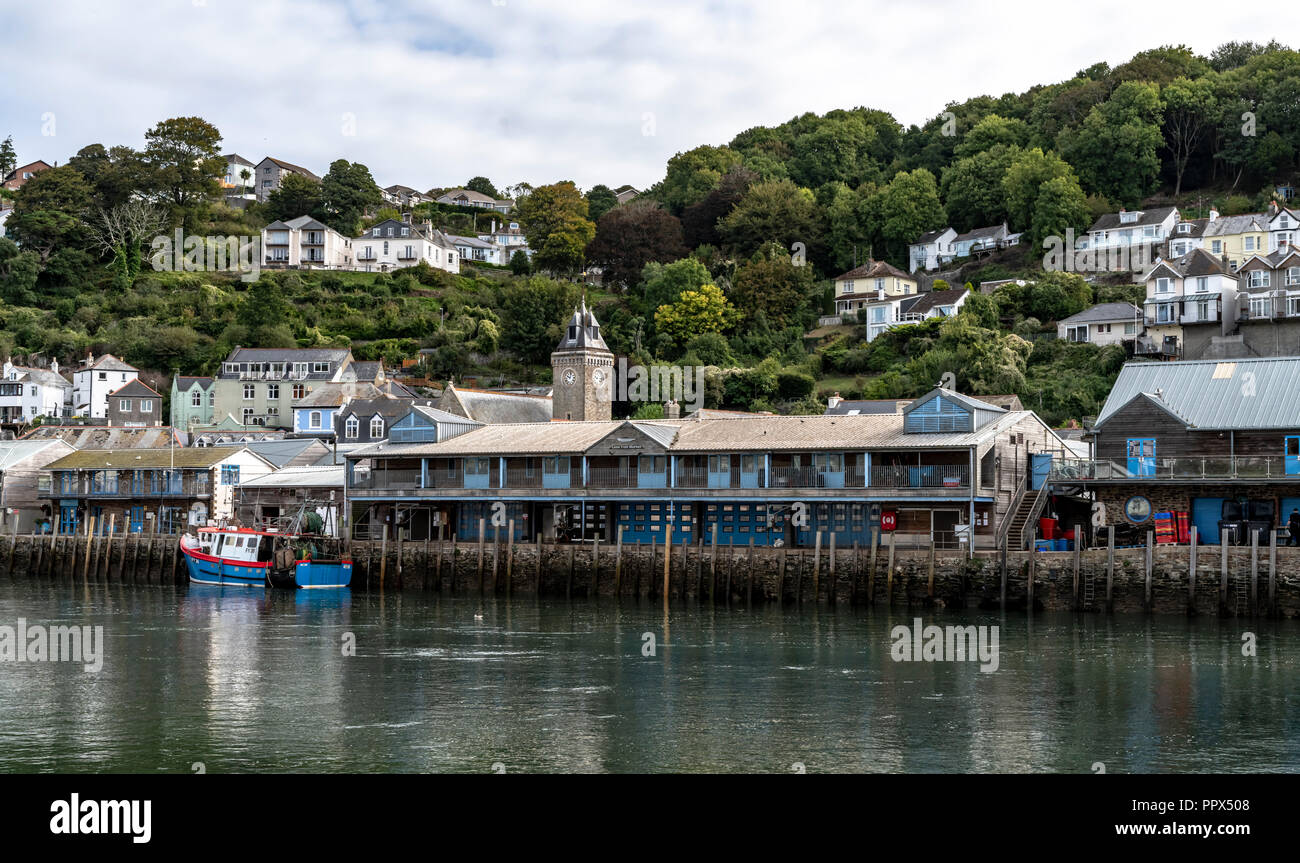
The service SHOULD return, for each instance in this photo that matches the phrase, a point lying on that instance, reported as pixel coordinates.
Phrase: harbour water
(242, 680)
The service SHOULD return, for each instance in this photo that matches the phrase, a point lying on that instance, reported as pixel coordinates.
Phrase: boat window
(216, 548)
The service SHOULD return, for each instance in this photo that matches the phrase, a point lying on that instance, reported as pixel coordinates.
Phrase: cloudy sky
(432, 92)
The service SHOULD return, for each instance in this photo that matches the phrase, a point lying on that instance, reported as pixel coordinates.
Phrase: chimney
(1214, 214)
(833, 401)
(672, 410)
(54, 366)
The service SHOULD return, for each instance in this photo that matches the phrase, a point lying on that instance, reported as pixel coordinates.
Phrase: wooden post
(482, 533)
(686, 544)
(618, 562)
(424, 565)
(1151, 541)
(780, 596)
(573, 552)
(135, 557)
(1254, 567)
(383, 556)
(176, 552)
(1110, 564)
(1078, 561)
(817, 564)
(496, 555)
(1002, 594)
(1272, 569)
(510, 556)
(668, 556)
(830, 571)
(1033, 571)
(13, 546)
(713, 561)
(148, 552)
(929, 586)
(90, 536)
(538, 586)
(437, 564)
(889, 579)
(871, 576)
(595, 567)
(121, 557)
(451, 567)
(1191, 572)
(1223, 566)
(108, 554)
(397, 543)
(38, 552)
(798, 579)
(749, 577)
(731, 568)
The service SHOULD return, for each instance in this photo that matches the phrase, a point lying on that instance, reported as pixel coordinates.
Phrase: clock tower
(583, 371)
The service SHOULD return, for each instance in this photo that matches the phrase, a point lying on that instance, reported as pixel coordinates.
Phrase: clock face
(570, 377)
(598, 376)
(1137, 508)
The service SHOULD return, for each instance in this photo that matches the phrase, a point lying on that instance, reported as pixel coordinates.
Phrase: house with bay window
(305, 242)
(393, 244)
(1130, 228)
(1103, 324)
(1191, 299)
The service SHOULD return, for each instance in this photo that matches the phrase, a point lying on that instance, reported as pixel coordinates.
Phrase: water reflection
(246, 680)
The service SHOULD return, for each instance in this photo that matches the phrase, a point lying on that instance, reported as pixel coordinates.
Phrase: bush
(794, 384)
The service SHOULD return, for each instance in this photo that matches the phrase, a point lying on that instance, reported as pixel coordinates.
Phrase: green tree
(693, 174)
(663, 284)
(8, 158)
(554, 219)
(483, 186)
(296, 196)
(347, 191)
(704, 310)
(1061, 205)
(182, 157)
(600, 200)
(1188, 112)
(519, 263)
(771, 283)
(992, 131)
(773, 211)
(972, 188)
(1022, 183)
(902, 211)
(1116, 149)
(533, 315)
(48, 210)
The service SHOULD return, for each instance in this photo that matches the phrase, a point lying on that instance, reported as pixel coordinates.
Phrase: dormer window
(1128, 218)
(573, 333)
(1184, 228)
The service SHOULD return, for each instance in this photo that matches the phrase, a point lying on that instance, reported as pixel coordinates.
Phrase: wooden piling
(176, 553)
(496, 556)
(830, 571)
(1110, 564)
(731, 568)
(1254, 568)
(686, 544)
(889, 579)
(929, 585)
(668, 556)
(482, 534)
(1223, 567)
(1272, 570)
(573, 552)
(437, 566)
(38, 554)
(871, 573)
(90, 536)
(1151, 541)
(618, 562)
(713, 560)
(1078, 564)
(817, 564)
(785, 552)
(510, 557)
(1033, 571)
(539, 561)
(148, 554)
(595, 567)
(13, 546)
(451, 566)
(397, 544)
(1191, 572)
(798, 578)
(749, 574)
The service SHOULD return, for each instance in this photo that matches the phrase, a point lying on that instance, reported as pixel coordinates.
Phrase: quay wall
(1166, 579)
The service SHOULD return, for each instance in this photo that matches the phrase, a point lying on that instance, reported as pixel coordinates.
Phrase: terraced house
(260, 386)
(945, 467)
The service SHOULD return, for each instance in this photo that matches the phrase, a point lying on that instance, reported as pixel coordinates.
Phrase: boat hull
(314, 574)
(206, 569)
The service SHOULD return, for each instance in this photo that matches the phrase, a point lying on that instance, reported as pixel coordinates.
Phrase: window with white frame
(320, 367)
(248, 416)
(1259, 278)
(250, 391)
(377, 427)
(313, 419)
(146, 406)
(1260, 307)
(273, 392)
(124, 404)
(196, 399)
(352, 427)
(1164, 285)
(1248, 243)
(1293, 276)
(1077, 334)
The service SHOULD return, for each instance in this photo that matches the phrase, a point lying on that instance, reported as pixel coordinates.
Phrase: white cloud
(524, 90)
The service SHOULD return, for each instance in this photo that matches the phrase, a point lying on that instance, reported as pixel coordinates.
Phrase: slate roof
(1226, 225)
(287, 355)
(183, 383)
(45, 377)
(1197, 262)
(1104, 312)
(874, 269)
(930, 236)
(108, 363)
(984, 233)
(494, 408)
(290, 166)
(136, 389)
(14, 451)
(126, 459)
(333, 395)
(933, 299)
(1154, 216)
(1215, 394)
(300, 476)
(281, 452)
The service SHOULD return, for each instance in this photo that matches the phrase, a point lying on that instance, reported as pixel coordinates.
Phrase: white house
(509, 237)
(978, 240)
(931, 249)
(478, 249)
(1189, 234)
(892, 311)
(4, 217)
(1189, 291)
(403, 197)
(234, 184)
(391, 244)
(1283, 229)
(1103, 324)
(1129, 228)
(470, 198)
(27, 393)
(305, 242)
(94, 380)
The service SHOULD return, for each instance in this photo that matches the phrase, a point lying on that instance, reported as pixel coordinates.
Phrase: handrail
(1004, 529)
(1034, 510)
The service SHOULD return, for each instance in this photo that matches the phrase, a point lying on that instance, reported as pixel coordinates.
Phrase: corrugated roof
(126, 459)
(14, 451)
(504, 408)
(281, 452)
(506, 439)
(1258, 393)
(300, 476)
(1104, 312)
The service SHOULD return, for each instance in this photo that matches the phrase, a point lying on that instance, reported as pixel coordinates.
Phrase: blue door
(1292, 456)
(1042, 465)
(1142, 456)
(1206, 513)
(137, 519)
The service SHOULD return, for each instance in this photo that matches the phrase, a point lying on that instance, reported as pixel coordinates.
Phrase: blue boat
(239, 556)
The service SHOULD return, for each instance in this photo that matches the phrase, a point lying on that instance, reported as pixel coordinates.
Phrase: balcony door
(1293, 455)
(1142, 456)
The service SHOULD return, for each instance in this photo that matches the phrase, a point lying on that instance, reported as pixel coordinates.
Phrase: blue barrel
(1043, 545)
(1062, 544)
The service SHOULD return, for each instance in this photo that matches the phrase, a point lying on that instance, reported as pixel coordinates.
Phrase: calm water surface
(246, 680)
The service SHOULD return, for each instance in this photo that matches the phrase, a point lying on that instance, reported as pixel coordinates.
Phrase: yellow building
(871, 282)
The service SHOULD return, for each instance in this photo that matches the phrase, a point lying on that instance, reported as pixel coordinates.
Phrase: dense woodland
(725, 262)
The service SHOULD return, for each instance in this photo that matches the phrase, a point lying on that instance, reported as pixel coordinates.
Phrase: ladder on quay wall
(1242, 595)
(1089, 590)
